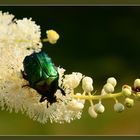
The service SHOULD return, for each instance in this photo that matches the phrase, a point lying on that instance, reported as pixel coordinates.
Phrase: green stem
(98, 97)
(45, 40)
(90, 100)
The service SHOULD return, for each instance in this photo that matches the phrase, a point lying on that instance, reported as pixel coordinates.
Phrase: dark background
(97, 41)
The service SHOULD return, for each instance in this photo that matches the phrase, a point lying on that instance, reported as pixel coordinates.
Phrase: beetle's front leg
(62, 91)
(25, 86)
(42, 99)
(24, 75)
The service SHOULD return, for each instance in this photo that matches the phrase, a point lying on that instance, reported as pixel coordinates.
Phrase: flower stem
(98, 97)
(45, 40)
(90, 100)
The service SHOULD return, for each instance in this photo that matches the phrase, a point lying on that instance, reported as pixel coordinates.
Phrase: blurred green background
(97, 41)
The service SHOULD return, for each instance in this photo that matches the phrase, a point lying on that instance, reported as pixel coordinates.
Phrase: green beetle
(42, 75)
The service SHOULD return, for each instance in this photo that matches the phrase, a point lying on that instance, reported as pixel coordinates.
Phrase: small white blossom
(108, 88)
(53, 36)
(137, 83)
(61, 74)
(112, 81)
(103, 92)
(75, 105)
(118, 107)
(92, 112)
(137, 96)
(126, 90)
(6, 18)
(87, 84)
(72, 80)
(99, 108)
(129, 102)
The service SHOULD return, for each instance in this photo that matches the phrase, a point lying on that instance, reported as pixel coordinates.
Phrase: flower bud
(137, 83)
(99, 108)
(112, 81)
(92, 112)
(129, 102)
(52, 36)
(127, 86)
(118, 107)
(108, 88)
(87, 84)
(103, 92)
(137, 96)
(75, 105)
(72, 80)
(126, 90)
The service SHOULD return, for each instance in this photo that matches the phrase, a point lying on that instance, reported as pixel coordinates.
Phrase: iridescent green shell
(41, 74)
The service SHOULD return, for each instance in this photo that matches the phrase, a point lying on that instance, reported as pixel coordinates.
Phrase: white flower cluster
(19, 38)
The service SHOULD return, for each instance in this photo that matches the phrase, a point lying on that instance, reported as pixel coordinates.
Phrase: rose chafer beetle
(42, 75)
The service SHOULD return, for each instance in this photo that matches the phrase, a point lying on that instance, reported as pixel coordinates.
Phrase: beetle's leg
(63, 92)
(58, 99)
(25, 86)
(62, 81)
(42, 99)
(47, 104)
(24, 76)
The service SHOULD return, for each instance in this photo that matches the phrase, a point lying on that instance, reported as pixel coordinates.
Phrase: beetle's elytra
(42, 75)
